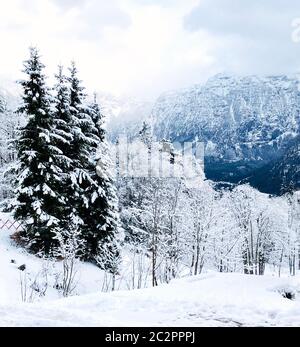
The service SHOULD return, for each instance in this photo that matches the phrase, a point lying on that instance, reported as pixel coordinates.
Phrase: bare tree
(70, 246)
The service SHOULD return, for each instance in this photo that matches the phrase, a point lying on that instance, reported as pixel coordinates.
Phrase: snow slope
(89, 278)
(211, 299)
(208, 300)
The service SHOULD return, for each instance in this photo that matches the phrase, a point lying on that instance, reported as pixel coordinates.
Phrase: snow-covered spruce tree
(98, 119)
(103, 210)
(95, 196)
(37, 170)
(62, 119)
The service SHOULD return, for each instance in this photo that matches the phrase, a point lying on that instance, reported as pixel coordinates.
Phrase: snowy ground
(42, 273)
(212, 300)
(209, 300)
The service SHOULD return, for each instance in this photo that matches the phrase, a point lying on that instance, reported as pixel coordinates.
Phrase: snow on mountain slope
(211, 299)
(244, 117)
(124, 116)
(246, 123)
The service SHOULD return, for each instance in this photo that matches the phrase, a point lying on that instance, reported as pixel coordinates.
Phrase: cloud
(144, 47)
(92, 16)
(68, 4)
(252, 36)
(252, 18)
(134, 47)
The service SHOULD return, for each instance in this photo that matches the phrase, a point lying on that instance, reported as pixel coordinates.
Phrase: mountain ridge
(246, 123)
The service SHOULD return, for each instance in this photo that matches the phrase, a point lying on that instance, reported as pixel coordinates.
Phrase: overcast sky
(144, 47)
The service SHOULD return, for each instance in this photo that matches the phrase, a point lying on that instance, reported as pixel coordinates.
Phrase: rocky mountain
(248, 125)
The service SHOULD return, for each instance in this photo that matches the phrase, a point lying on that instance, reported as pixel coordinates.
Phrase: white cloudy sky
(144, 47)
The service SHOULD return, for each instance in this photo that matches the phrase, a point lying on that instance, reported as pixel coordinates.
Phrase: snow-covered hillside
(40, 276)
(210, 299)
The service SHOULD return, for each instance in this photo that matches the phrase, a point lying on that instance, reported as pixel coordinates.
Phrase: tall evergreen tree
(62, 119)
(102, 235)
(37, 171)
(95, 197)
(83, 131)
